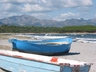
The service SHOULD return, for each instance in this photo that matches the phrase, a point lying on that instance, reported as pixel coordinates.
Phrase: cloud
(19, 1)
(95, 16)
(34, 8)
(67, 3)
(43, 5)
(6, 14)
(31, 8)
(8, 7)
(86, 3)
(65, 16)
(40, 6)
(41, 15)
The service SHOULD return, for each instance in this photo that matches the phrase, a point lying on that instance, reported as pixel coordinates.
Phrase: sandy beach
(79, 51)
(82, 52)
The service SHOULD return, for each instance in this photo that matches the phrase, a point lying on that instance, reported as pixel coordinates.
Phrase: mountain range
(26, 20)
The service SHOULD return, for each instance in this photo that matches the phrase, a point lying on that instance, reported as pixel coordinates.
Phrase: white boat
(47, 36)
(39, 37)
(24, 62)
(85, 40)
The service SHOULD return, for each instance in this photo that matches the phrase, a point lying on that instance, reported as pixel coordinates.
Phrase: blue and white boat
(24, 62)
(51, 46)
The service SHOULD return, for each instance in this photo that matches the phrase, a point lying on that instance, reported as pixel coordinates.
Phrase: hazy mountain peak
(26, 20)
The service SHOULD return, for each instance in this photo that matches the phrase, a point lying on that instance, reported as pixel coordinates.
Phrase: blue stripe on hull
(41, 48)
(22, 65)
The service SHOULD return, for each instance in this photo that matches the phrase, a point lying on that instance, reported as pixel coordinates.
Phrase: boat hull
(43, 47)
(20, 65)
(24, 62)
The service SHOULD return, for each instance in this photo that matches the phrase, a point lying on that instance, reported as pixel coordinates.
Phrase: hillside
(26, 20)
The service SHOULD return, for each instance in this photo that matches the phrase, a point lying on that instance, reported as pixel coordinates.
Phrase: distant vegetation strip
(33, 29)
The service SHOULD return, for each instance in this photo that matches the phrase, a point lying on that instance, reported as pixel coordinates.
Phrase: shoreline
(53, 33)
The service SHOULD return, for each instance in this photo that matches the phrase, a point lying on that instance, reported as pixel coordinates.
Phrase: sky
(59, 10)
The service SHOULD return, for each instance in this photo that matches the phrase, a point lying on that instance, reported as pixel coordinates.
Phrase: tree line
(33, 29)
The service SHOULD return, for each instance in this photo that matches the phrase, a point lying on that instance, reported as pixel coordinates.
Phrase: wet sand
(79, 51)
